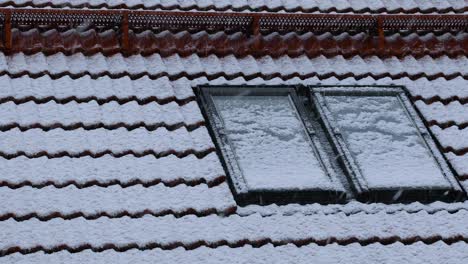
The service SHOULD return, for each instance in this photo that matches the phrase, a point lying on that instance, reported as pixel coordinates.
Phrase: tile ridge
(229, 211)
(254, 243)
(123, 184)
(189, 76)
(448, 124)
(180, 154)
(101, 125)
(99, 101)
(438, 99)
(165, 212)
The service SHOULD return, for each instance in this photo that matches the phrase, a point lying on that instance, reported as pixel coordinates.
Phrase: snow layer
(464, 184)
(452, 112)
(92, 113)
(119, 140)
(114, 199)
(460, 163)
(101, 88)
(161, 88)
(385, 143)
(325, 222)
(241, 5)
(270, 143)
(396, 253)
(108, 169)
(452, 137)
(350, 208)
(190, 229)
(155, 65)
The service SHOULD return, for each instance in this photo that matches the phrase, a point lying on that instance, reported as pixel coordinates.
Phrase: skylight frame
(358, 181)
(227, 155)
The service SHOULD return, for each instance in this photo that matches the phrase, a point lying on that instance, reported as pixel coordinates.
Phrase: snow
(270, 143)
(350, 208)
(396, 253)
(114, 199)
(162, 88)
(212, 229)
(258, 223)
(118, 141)
(108, 169)
(384, 142)
(102, 88)
(452, 137)
(92, 113)
(437, 111)
(438, 88)
(154, 66)
(459, 163)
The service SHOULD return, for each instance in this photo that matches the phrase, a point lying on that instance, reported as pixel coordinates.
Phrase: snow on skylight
(384, 142)
(270, 143)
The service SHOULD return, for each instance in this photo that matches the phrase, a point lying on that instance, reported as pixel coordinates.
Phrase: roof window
(386, 150)
(328, 144)
(269, 152)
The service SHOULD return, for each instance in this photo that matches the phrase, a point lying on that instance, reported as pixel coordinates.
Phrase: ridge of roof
(123, 28)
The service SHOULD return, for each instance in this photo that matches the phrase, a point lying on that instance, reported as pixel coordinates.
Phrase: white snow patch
(385, 143)
(270, 143)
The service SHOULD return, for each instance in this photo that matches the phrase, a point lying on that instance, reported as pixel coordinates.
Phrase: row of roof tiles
(163, 90)
(239, 44)
(231, 67)
(112, 115)
(98, 142)
(95, 201)
(392, 254)
(107, 171)
(190, 231)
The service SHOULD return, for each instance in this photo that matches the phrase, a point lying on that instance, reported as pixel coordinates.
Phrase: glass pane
(384, 142)
(270, 143)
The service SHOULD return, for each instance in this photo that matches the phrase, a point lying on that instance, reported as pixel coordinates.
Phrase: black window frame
(351, 186)
(358, 182)
(225, 150)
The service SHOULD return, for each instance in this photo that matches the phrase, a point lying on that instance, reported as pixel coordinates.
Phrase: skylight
(270, 143)
(327, 144)
(385, 144)
(267, 145)
(385, 147)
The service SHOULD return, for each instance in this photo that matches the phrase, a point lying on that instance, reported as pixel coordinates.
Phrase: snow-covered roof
(341, 6)
(109, 158)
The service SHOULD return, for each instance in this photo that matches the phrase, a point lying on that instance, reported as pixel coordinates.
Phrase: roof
(107, 156)
(82, 175)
